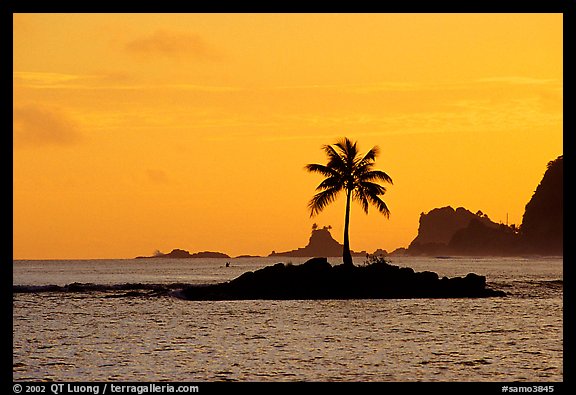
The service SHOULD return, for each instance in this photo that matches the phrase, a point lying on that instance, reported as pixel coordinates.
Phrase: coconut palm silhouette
(352, 173)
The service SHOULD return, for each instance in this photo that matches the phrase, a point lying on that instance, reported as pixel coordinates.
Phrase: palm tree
(348, 171)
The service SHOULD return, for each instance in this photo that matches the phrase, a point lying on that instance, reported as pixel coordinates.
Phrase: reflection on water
(86, 336)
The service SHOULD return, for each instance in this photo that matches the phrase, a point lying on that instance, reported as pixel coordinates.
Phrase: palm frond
(361, 168)
(322, 169)
(369, 157)
(322, 199)
(331, 182)
(349, 151)
(335, 160)
(371, 188)
(380, 205)
(366, 163)
(361, 198)
(375, 175)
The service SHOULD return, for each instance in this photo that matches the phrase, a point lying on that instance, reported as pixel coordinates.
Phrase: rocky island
(179, 254)
(318, 279)
(321, 243)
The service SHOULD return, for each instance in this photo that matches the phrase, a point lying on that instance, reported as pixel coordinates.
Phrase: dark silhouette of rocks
(317, 279)
(248, 256)
(479, 239)
(438, 226)
(542, 229)
(445, 231)
(401, 251)
(380, 252)
(463, 233)
(178, 253)
(209, 254)
(321, 243)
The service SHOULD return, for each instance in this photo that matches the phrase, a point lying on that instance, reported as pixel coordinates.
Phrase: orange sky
(158, 131)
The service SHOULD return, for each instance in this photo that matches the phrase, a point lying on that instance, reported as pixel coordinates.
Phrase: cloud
(43, 78)
(108, 81)
(518, 80)
(169, 44)
(49, 80)
(34, 125)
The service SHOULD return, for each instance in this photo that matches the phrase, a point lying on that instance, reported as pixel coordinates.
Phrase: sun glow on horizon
(142, 132)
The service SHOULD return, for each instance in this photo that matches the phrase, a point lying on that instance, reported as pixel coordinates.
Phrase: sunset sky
(138, 132)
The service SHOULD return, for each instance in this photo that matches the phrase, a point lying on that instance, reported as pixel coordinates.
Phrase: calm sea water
(106, 334)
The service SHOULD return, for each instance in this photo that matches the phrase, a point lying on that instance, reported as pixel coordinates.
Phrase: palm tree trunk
(346, 255)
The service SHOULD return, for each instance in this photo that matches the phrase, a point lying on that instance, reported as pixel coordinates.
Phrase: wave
(558, 283)
(531, 288)
(134, 288)
(551, 282)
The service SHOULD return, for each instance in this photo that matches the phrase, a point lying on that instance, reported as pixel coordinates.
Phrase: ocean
(113, 325)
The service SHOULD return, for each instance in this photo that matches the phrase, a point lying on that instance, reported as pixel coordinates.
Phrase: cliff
(542, 229)
(445, 231)
(320, 244)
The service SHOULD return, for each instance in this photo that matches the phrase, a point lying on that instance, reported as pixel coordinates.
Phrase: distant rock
(479, 239)
(380, 252)
(317, 279)
(175, 253)
(460, 232)
(209, 254)
(248, 256)
(180, 254)
(438, 226)
(321, 243)
(399, 252)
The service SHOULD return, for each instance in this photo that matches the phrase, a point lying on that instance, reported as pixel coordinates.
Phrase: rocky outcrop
(209, 254)
(321, 243)
(445, 231)
(479, 239)
(438, 226)
(178, 253)
(542, 229)
(317, 279)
